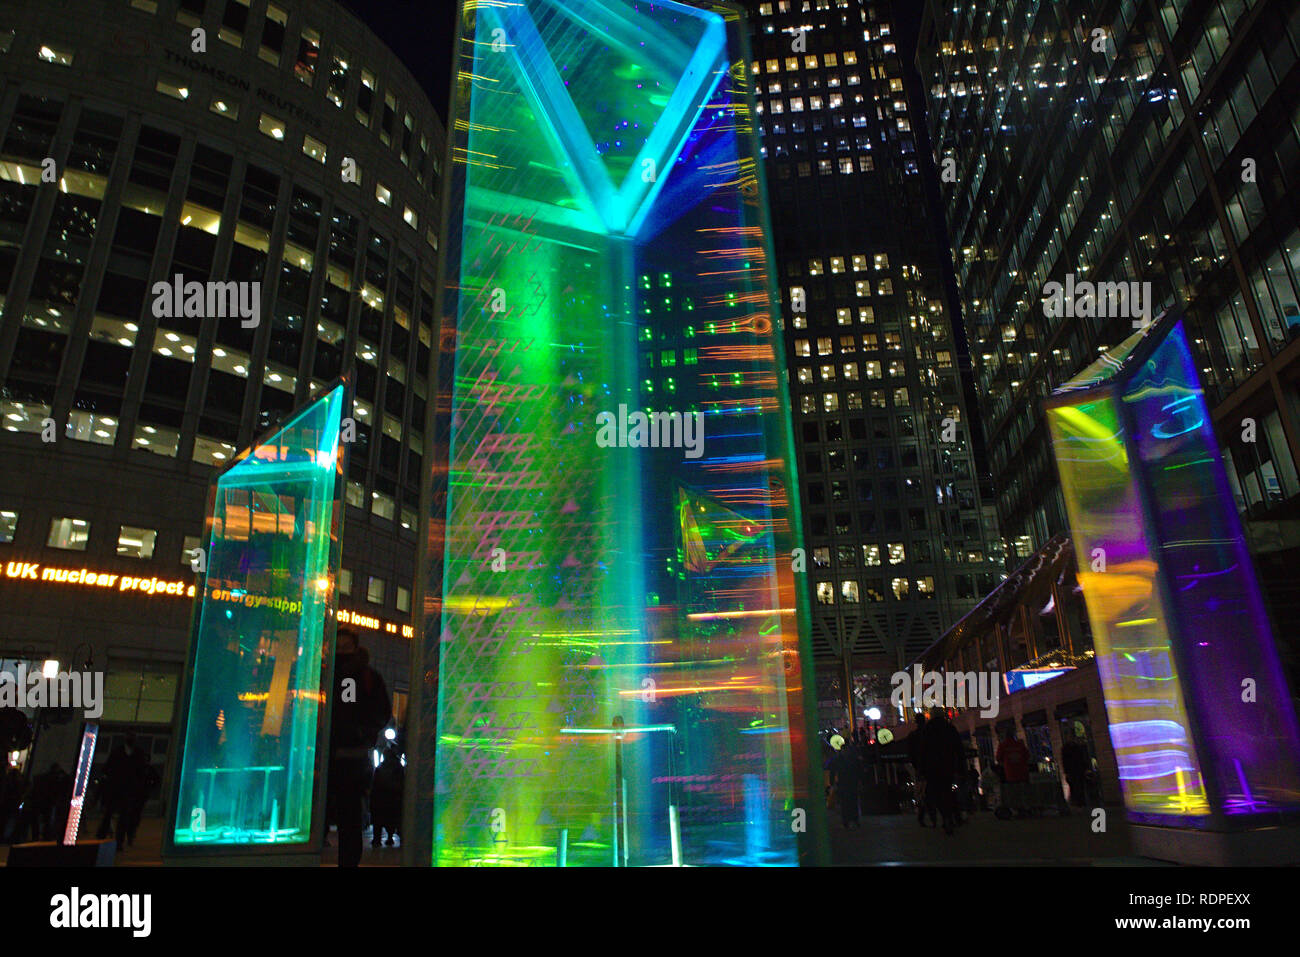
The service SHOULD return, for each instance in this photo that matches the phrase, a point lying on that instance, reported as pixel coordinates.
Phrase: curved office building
(207, 214)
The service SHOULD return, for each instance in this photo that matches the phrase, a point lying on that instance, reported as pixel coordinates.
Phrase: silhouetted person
(11, 799)
(124, 790)
(50, 791)
(361, 708)
(386, 796)
(846, 775)
(942, 760)
(1013, 757)
(915, 755)
(1076, 763)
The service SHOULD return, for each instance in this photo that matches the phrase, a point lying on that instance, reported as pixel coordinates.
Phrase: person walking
(942, 759)
(846, 776)
(1076, 764)
(49, 790)
(361, 710)
(1013, 757)
(915, 756)
(122, 791)
(386, 796)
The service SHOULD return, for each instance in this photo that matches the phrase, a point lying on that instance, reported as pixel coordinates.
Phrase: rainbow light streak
(614, 252)
(1144, 483)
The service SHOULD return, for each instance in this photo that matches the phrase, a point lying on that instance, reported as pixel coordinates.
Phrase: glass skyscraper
(1135, 142)
(899, 544)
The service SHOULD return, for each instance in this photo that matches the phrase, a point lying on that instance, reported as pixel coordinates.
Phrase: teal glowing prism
(255, 727)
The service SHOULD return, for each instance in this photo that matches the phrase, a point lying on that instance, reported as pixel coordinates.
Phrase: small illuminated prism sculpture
(1201, 719)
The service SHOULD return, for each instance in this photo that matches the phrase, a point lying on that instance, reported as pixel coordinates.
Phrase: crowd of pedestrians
(945, 785)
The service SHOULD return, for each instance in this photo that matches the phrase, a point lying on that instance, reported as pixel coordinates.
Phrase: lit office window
(273, 34)
(156, 439)
(140, 692)
(69, 533)
(212, 452)
(409, 217)
(304, 67)
(383, 505)
(190, 546)
(900, 588)
(345, 581)
(338, 81)
(314, 148)
(133, 542)
(8, 525)
(224, 107)
(172, 88)
(63, 57)
(375, 590)
(383, 194)
(825, 593)
(271, 126)
(355, 494)
(403, 598)
(897, 553)
(89, 427)
(830, 402)
(234, 22)
(849, 591)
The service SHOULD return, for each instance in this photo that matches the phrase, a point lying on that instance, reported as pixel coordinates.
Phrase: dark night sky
(421, 33)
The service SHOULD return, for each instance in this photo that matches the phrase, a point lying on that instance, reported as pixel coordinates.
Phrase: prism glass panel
(1202, 721)
(622, 648)
(250, 769)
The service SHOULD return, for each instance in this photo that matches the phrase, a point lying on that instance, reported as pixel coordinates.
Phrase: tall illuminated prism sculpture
(622, 649)
(1200, 717)
(250, 777)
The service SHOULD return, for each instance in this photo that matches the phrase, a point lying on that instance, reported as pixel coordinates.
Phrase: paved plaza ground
(882, 840)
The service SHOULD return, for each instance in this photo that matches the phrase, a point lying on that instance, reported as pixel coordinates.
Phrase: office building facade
(899, 544)
(1140, 143)
(276, 146)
